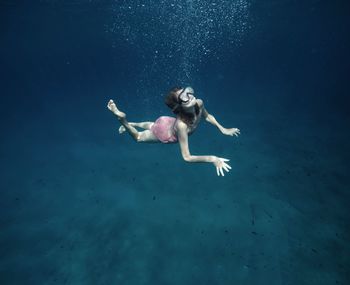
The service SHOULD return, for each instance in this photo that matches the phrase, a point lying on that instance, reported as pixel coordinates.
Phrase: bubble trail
(185, 31)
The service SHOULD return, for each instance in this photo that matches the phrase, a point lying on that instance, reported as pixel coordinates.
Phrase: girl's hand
(231, 132)
(221, 164)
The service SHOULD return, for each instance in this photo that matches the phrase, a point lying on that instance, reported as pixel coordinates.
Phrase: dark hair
(172, 101)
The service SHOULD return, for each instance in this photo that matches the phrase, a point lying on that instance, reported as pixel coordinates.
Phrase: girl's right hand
(220, 165)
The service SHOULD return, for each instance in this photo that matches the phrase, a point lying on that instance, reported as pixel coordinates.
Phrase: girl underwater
(188, 110)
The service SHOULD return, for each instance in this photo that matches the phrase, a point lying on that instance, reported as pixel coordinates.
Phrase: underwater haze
(81, 203)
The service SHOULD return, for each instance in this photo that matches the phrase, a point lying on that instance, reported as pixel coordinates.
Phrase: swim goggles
(184, 96)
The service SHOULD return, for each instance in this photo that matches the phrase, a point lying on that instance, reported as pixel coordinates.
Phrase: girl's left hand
(231, 132)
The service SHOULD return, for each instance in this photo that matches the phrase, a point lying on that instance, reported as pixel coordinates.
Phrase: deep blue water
(82, 204)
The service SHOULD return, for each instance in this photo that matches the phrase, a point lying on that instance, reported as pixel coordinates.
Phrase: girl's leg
(148, 137)
(145, 136)
(142, 125)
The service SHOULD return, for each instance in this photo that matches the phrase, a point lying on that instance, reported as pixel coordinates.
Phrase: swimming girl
(188, 110)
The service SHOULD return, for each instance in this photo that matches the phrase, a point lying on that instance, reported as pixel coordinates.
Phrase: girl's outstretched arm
(211, 119)
(219, 162)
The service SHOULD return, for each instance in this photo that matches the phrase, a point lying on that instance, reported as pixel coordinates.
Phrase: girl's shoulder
(179, 123)
(200, 102)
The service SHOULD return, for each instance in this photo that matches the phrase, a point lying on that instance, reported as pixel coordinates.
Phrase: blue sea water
(82, 204)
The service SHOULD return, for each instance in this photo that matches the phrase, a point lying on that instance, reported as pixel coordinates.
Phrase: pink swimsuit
(163, 129)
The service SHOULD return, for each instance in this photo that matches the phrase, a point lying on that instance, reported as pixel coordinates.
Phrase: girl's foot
(122, 129)
(113, 108)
